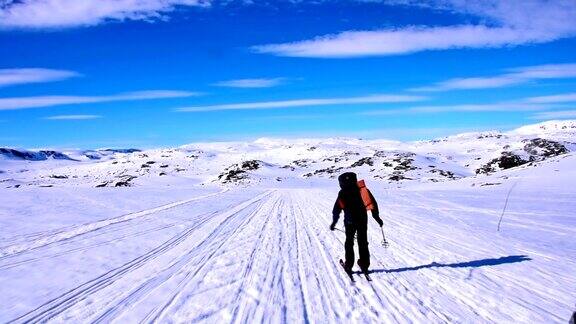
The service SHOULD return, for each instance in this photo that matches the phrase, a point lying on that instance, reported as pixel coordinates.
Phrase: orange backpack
(365, 194)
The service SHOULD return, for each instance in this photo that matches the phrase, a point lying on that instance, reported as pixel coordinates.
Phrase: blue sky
(148, 73)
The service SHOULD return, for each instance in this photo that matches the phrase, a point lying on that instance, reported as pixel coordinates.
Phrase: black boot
(363, 266)
(347, 267)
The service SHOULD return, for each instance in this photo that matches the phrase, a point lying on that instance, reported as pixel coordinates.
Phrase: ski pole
(343, 231)
(384, 242)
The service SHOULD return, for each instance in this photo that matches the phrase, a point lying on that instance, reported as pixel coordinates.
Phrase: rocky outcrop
(540, 149)
(330, 171)
(404, 161)
(398, 176)
(534, 150)
(238, 172)
(506, 161)
(363, 161)
(122, 181)
(445, 173)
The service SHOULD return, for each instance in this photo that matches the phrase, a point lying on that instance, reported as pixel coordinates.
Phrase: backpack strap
(365, 194)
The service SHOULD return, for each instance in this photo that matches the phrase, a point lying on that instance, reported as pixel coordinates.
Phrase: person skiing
(355, 199)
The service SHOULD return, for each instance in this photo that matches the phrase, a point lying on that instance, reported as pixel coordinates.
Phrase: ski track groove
(58, 305)
(472, 303)
(163, 310)
(87, 247)
(396, 314)
(183, 263)
(111, 228)
(249, 273)
(71, 232)
(343, 279)
(438, 286)
(271, 258)
(398, 285)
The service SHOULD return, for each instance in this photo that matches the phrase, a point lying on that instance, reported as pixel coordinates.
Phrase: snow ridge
(293, 162)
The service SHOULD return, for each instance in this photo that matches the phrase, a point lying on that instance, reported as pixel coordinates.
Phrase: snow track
(268, 256)
(42, 239)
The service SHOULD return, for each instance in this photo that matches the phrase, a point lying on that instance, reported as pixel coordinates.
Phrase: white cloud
(508, 23)
(154, 94)
(561, 114)
(9, 77)
(502, 106)
(403, 41)
(554, 15)
(47, 101)
(561, 98)
(70, 13)
(73, 117)
(513, 77)
(492, 107)
(251, 83)
(540, 103)
(379, 98)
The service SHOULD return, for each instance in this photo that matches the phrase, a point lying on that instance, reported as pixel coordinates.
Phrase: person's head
(347, 180)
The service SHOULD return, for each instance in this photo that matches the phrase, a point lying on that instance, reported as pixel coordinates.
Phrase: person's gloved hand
(379, 221)
(332, 227)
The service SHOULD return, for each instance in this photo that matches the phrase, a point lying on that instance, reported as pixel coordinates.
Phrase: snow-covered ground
(187, 246)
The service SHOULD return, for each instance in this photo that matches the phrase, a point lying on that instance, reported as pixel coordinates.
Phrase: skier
(355, 199)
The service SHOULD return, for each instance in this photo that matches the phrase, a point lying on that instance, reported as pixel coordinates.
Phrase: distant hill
(297, 161)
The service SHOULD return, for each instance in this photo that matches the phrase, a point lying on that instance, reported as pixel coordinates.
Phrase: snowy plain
(184, 247)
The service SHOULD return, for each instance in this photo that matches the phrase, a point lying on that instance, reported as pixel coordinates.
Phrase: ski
(367, 276)
(349, 273)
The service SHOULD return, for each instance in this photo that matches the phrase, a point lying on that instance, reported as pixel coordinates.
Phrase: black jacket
(354, 209)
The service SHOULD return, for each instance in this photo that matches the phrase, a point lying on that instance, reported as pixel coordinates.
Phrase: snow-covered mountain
(479, 226)
(551, 129)
(295, 161)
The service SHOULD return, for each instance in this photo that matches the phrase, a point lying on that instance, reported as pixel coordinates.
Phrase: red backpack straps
(365, 195)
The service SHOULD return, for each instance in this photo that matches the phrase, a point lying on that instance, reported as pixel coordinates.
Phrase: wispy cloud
(73, 117)
(372, 99)
(70, 13)
(560, 98)
(491, 107)
(251, 83)
(404, 41)
(9, 77)
(539, 103)
(47, 101)
(511, 23)
(513, 77)
(561, 114)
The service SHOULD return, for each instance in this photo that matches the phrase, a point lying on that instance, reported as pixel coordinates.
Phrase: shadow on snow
(469, 264)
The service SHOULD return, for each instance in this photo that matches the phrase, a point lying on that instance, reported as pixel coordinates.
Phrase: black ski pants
(362, 235)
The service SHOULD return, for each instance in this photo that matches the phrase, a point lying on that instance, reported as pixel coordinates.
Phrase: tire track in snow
(274, 260)
(329, 266)
(434, 282)
(251, 282)
(86, 228)
(66, 301)
(7, 265)
(389, 289)
(387, 297)
(442, 280)
(272, 267)
(149, 223)
(187, 266)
